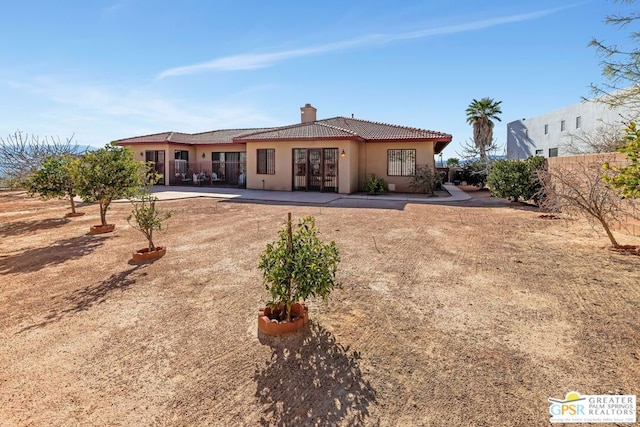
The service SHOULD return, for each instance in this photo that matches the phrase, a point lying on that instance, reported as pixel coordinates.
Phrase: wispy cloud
(251, 61)
(101, 104)
(113, 10)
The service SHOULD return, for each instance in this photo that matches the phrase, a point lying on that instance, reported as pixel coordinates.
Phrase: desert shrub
(425, 180)
(510, 179)
(375, 185)
(475, 173)
(515, 179)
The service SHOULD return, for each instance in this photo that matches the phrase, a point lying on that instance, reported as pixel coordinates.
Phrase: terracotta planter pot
(144, 254)
(99, 229)
(73, 214)
(272, 327)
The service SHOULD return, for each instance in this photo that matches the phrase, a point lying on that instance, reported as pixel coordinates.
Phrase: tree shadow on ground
(23, 227)
(312, 380)
(89, 296)
(61, 251)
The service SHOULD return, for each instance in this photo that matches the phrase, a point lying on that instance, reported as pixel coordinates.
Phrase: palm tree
(481, 115)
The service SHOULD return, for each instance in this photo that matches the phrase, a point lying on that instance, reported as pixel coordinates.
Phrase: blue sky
(111, 69)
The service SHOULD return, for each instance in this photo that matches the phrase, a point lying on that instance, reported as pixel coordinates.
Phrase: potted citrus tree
(295, 267)
(147, 218)
(108, 174)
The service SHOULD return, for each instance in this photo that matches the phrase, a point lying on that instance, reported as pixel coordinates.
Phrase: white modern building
(550, 134)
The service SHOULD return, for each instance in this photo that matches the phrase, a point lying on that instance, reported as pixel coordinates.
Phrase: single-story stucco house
(329, 155)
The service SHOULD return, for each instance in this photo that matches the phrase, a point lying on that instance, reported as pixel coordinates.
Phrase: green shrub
(515, 179)
(375, 185)
(626, 180)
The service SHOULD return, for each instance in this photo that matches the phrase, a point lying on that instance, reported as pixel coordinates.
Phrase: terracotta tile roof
(224, 136)
(333, 128)
(372, 131)
(313, 130)
(156, 137)
(345, 128)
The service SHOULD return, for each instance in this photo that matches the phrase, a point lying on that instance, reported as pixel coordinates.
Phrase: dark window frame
(266, 161)
(553, 152)
(407, 159)
(181, 155)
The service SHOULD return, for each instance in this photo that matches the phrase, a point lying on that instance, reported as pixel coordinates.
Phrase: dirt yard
(470, 314)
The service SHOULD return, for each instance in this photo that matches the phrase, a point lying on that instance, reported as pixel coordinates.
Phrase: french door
(315, 169)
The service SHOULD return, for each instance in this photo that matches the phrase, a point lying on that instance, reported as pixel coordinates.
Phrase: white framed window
(539, 152)
(578, 122)
(563, 126)
(546, 129)
(553, 152)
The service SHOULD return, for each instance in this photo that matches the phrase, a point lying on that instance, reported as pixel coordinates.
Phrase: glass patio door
(157, 159)
(299, 169)
(315, 169)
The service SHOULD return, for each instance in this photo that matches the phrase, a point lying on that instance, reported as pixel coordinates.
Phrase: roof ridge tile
(352, 132)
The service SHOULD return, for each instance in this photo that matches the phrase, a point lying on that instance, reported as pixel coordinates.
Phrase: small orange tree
(146, 218)
(55, 179)
(298, 266)
(108, 174)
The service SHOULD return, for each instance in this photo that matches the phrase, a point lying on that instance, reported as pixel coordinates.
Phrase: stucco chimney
(308, 114)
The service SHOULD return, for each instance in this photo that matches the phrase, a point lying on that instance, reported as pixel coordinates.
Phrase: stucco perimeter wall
(283, 177)
(375, 161)
(630, 224)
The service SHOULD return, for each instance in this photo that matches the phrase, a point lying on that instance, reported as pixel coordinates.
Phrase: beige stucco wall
(208, 149)
(360, 160)
(282, 179)
(196, 161)
(374, 160)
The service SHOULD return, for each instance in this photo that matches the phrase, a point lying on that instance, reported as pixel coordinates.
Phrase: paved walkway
(295, 197)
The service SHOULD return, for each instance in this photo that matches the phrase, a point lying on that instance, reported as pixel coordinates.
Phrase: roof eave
(121, 143)
(439, 146)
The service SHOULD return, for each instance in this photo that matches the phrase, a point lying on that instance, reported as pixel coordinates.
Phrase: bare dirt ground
(466, 314)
